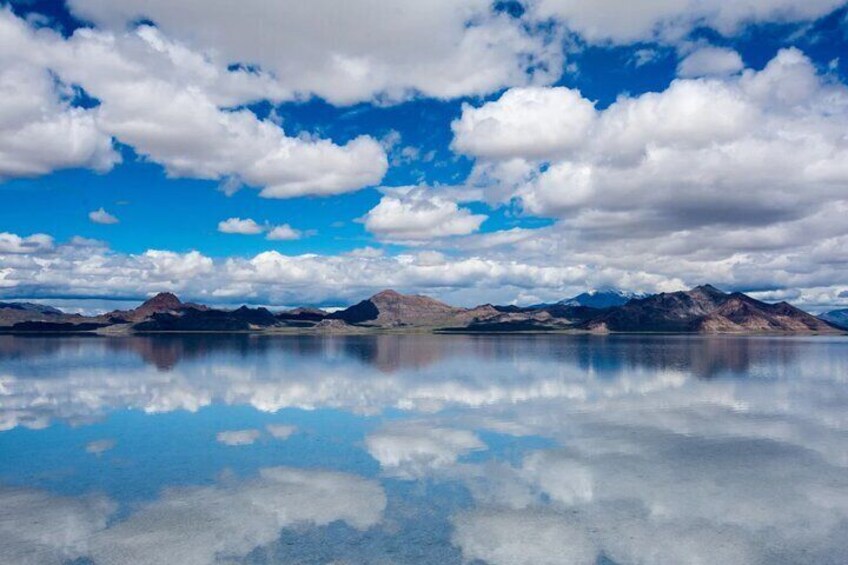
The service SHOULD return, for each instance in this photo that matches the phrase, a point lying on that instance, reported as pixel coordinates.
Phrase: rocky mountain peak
(708, 289)
(387, 294)
(162, 302)
(390, 308)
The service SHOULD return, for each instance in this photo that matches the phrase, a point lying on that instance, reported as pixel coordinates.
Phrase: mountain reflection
(408, 449)
(705, 357)
(702, 356)
(77, 379)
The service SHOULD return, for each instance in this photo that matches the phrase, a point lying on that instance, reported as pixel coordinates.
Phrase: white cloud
(240, 226)
(622, 21)
(174, 106)
(742, 173)
(283, 232)
(237, 437)
(525, 265)
(533, 123)
(442, 49)
(36, 243)
(101, 216)
(40, 131)
(172, 267)
(710, 61)
(419, 213)
(247, 226)
(686, 153)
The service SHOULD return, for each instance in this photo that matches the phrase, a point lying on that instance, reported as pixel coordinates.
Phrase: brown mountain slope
(391, 309)
(705, 309)
(741, 313)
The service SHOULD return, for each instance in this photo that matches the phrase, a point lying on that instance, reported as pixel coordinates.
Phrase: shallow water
(423, 449)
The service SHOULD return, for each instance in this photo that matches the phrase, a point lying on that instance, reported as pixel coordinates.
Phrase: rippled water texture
(423, 449)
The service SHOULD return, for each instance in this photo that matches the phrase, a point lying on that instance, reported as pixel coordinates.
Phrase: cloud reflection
(189, 525)
(662, 450)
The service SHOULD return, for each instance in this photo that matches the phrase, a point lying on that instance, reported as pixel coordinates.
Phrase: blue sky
(535, 199)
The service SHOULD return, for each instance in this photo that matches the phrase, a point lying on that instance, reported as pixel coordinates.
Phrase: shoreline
(407, 331)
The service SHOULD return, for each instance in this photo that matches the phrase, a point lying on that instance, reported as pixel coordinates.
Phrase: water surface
(423, 449)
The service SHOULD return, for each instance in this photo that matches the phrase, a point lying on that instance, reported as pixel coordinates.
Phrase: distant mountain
(836, 317)
(31, 307)
(601, 298)
(391, 309)
(706, 309)
(18, 312)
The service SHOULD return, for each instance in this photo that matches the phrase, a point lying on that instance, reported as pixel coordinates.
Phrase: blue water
(423, 449)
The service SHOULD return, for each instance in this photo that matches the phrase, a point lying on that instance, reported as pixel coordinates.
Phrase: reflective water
(423, 449)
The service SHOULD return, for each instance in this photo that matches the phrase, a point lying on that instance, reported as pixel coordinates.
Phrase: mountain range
(703, 309)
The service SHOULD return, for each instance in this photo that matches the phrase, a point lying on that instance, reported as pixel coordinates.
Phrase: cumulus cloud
(36, 243)
(173, 267)
(283, 232)
(530, 122)
(442, 49)
(270, 277)
(728, 175)
(101, 216)
(684, 154)
(621, 21)
(240, 226)
(40, 130)
(710, 61)
(419, 213)
(247, 226)
(524, 265)
(737, 172)
(174, 106)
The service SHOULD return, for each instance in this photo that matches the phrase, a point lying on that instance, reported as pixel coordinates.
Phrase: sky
(313, 153)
